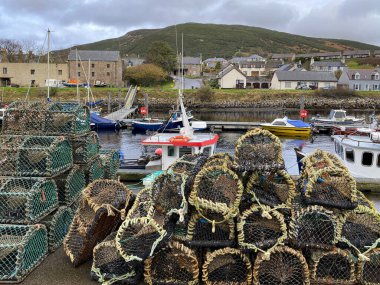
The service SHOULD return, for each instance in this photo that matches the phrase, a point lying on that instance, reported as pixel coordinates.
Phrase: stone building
(100, 66)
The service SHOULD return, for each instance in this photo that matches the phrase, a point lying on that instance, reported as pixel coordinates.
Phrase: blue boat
(100, 123)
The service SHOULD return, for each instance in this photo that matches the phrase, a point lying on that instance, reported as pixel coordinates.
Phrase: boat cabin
(174, 147)
(361, 154)
(337, 115)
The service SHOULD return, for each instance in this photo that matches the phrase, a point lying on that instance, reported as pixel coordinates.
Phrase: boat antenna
(48, 63)
(76, 63)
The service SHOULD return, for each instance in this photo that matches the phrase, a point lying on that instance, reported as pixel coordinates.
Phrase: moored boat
(287, 127)
(336, 117)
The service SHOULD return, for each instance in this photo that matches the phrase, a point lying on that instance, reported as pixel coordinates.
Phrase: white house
(361, 79)
(293, 79)
(231, 77)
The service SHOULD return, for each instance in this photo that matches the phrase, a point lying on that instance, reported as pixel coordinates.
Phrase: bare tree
(11, 47)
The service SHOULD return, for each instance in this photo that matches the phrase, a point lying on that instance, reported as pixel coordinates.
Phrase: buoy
(158, 151)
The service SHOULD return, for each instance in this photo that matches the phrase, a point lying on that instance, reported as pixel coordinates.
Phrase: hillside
(223, 41)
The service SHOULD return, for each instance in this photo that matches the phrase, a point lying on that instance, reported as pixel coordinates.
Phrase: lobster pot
(85, 147)
(58, 224)
(109, 266)
(213, 231)
(70, 185)
(220, 159)
(139, 238)
(331, 187)
(188, 165)
(364, 201)
(258, 150)
(332, 267)
(217, 189)
(26, 200)
(142, 205)
(111, 162)
(284, 266)
(175, 264)
(96, 217)
(261, 228)
(22, 248)
(93, 170)
(318, 160)
(34, 156)
(227, 266)
(272, 189)
(314, 227)
(24, 118)
(67, 118)
(369, 270)
(361, 228)
(168, 193)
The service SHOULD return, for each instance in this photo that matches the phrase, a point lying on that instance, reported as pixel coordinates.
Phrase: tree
(338, 73)
(218, 65)
(162, 55)
(145, 74)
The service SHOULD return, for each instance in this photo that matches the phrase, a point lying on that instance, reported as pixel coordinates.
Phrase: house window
(108, 65)
(59, 71)
(5, 70)
(350, 155)
(378, 160)
(367, 158)
(32, 71)
(376, 76)
(356, 86)
(92, 65)
(357, 76)
(108, 74)
(78, 64)
(78, 73)
(375, 87)
(184, 150)
(93, 74)
(288, 85)
(329, 68)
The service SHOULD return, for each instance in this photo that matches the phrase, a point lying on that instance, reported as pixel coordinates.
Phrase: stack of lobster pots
(48, 155)
(232, 220)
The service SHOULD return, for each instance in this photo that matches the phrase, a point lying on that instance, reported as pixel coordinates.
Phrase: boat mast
(48, 65)
(76, 64)
(88, 83)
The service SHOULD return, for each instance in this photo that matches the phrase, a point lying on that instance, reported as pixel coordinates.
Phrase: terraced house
(361, 79)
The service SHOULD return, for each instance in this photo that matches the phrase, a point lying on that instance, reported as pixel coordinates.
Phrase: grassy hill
(223, 41)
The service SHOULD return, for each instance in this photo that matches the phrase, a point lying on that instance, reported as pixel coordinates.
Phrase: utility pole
(48, 65)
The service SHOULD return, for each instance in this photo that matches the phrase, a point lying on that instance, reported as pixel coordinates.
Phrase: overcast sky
(85, 21)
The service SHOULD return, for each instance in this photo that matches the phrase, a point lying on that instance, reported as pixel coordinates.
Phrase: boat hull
(288, 131)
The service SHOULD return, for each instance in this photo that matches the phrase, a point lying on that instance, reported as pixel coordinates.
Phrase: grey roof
(191, 60)
(320, 54)
(285, 67)
(282, 55)
(252, 64)
(365, 74)
(215, 59)
(95, 55)
(256, 57)
(305, 76)
(376, 52)
(228, 69)
(329, 63)
(356, 52)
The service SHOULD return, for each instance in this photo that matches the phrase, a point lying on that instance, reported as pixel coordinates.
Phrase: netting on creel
(168, 194)
(220, 159)
(314, 227)
(272, 188)
(22, 248)
(203, 232)
(93, 170)
(258, 150)
(361, 229)
(70, 185)
(362, 200)
(261, 228)
(285, 266)
(368, 270)
(330, 187)
(58, 224)
(139, 238)
(227, 266)
(111, 162)
(320, 159)
(109, 267)
(99, 213)
(34, 156)
(142, 206)
(217, 189)
(24, 118)
(174, 264)
(336, 266)
(65, 118)
(85, 147)
(26, 200)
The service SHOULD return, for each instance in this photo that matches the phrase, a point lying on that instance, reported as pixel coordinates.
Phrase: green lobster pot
(58, 225)
(67, 118)
(26, 200)
(24, 117)
(85, 147)
(111, 162)
(22, 248)
(93, 170)
(70, 185)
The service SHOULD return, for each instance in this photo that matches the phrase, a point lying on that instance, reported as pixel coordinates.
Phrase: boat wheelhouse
(361, 154)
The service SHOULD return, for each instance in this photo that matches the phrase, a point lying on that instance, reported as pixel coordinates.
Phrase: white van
(53, 83)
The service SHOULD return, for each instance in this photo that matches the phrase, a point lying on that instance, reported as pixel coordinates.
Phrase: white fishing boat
(361, 154)
(336, 117)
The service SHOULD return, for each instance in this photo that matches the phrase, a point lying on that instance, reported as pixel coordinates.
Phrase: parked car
(328, 88)
(303, 87)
